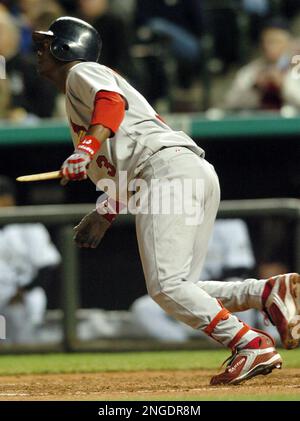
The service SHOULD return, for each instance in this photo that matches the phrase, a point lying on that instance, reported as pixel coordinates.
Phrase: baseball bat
(52, 175)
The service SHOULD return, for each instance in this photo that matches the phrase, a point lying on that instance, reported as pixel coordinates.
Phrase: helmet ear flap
(65, 47)
(60, 50)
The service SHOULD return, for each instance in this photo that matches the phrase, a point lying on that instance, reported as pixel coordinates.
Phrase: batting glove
(75, 167)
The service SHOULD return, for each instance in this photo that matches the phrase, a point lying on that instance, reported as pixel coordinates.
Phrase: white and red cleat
(259, 356)
(281, 302)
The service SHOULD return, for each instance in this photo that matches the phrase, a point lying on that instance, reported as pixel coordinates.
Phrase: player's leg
(278, 297)
(236, 295)
(166, 246)
(154, 321)
(167, 249)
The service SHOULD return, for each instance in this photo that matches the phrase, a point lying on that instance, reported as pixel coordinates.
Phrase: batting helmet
(73, 39)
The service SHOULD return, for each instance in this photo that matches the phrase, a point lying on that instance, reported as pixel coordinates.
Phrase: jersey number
(103, 162)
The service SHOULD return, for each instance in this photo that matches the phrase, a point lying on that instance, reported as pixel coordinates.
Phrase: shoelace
(229, 360)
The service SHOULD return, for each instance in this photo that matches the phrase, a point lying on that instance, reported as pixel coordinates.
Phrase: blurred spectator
(178, 20)
(178, 24)
(113, 31)
(29, 95)
(27, 259)
(26, 12)
(267, 83)
(45, 15)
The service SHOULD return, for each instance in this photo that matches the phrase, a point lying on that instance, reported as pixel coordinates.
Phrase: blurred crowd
(183, 55)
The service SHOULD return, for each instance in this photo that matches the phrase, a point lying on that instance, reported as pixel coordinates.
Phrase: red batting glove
(75, 167)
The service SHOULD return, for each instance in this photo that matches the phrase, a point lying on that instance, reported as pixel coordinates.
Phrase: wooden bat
(40, 177)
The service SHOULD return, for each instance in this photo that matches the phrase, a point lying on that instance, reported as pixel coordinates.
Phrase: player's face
(275, 43)
(46, 63)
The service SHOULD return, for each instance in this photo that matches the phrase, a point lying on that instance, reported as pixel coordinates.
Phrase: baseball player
(116, 131)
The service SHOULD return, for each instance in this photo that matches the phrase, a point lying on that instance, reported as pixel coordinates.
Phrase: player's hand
(91, 229)
(75, 167)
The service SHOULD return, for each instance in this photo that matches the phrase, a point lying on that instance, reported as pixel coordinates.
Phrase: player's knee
(161, 300)
(166, 303)
(168, 290)
(158, 290)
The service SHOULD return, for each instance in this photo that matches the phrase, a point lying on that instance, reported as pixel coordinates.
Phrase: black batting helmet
(73, 39)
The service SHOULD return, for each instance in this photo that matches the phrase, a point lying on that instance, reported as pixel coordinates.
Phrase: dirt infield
(146, 385)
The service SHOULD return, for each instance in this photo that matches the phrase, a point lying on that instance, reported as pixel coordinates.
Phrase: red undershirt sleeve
(109, 110)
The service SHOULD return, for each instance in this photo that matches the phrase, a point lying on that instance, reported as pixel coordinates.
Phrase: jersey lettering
(103, 162)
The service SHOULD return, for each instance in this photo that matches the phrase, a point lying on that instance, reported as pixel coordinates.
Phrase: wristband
(90, 145)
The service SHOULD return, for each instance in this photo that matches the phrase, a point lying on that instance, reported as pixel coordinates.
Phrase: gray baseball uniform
(172, 251)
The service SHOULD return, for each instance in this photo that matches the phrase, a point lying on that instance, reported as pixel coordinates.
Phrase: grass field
(176, 375)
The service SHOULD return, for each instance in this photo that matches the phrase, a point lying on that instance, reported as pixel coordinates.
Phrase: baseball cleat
(281, 301)
(258, 357)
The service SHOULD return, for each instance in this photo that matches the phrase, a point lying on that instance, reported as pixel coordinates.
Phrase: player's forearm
(93, 139)
(99, 132)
